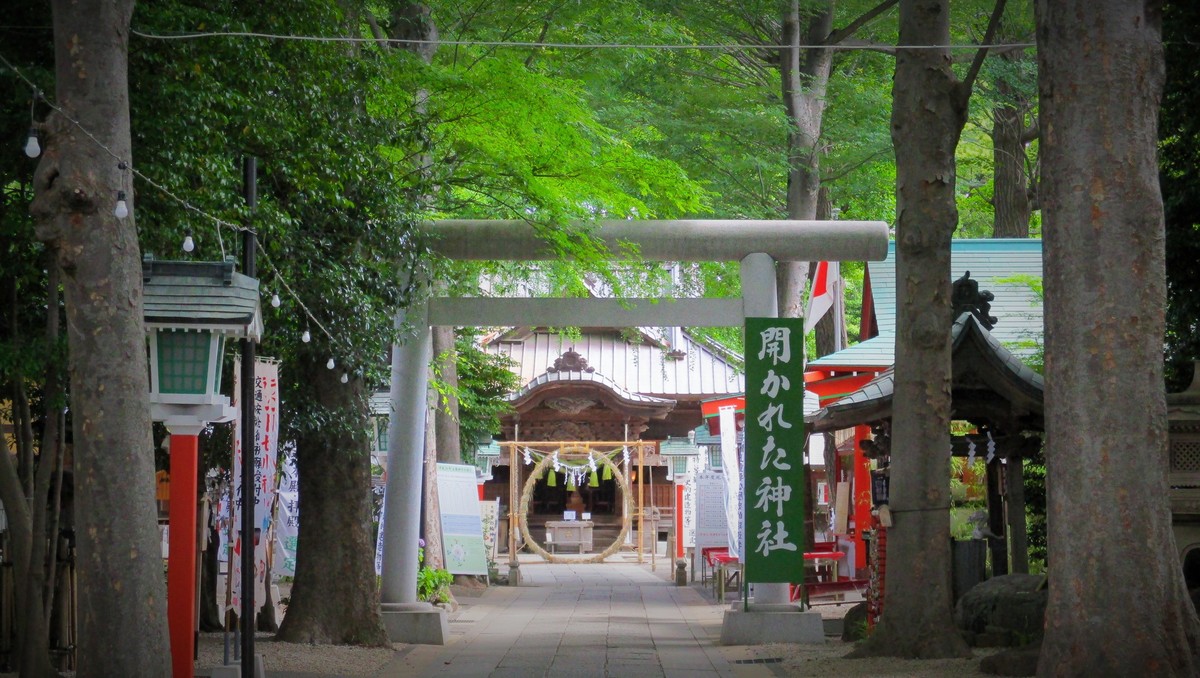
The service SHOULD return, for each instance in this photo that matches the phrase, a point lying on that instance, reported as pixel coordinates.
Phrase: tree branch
(852, 27)
(973, 72)
(847, 169)
(1032, 132)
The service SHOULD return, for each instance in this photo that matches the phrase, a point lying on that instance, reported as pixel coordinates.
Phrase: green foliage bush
(433, 583)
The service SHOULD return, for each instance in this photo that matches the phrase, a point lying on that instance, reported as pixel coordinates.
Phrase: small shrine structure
(992, 388)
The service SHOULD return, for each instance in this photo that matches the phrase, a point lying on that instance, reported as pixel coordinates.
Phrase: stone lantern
(191, 308)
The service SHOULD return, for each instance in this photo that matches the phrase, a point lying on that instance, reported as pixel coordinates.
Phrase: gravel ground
(829, 660)
(314, 660)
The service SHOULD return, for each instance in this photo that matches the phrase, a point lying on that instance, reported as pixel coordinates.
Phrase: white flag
(825, 286)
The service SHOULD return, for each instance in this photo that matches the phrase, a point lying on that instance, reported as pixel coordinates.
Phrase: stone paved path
(580, 621)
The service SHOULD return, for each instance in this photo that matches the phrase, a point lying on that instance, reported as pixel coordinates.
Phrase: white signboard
(462, 525)
(688, 512)
(712, 528)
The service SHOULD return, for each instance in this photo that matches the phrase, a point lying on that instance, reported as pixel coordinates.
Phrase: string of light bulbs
(731, 47)
(33, 149)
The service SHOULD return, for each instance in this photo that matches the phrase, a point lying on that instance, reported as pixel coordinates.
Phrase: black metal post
(246, 399)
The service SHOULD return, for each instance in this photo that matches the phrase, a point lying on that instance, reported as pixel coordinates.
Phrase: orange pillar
(181, 561)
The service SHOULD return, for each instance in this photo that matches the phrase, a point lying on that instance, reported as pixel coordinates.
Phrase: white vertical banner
(380, 517)
(732, 472)
(287, 516)
(489, 513)
(266, 447)
(688, 510)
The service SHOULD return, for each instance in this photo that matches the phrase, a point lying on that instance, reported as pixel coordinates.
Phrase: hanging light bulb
(345, 378)
(306, 337)
(121, 210)
(330, 364)
(189, 244)
(275, 300)
(32, 148)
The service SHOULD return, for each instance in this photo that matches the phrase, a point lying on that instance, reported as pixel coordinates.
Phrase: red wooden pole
(181, 561)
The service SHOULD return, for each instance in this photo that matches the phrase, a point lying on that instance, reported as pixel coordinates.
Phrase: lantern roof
(201, 295)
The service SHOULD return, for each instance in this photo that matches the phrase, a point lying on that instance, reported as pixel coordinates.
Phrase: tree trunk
(431, 525)
(122, 596)
(32, 639)
(33, 656)
(803, 82)
(1010, 195)
(36, 658)
(335, 594)
(449, 443)
(928, 113)
(1101, 67)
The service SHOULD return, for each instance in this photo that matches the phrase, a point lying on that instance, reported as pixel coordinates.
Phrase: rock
(854, 624)
(1009, 608)
(1018, 661)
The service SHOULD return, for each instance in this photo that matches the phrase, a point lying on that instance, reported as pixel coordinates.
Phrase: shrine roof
(580, 376)
(980, 363)
(638, 365)
(1002, 266)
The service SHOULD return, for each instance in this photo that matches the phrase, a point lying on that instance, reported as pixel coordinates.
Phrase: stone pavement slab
(615, 619)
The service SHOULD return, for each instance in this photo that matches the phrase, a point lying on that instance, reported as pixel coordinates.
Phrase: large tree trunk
(928, 113)
(449, 443)
(804, 76)
(122, 596)
(1010, 195)
(1118, 604)
(431, 525)
(335, 594)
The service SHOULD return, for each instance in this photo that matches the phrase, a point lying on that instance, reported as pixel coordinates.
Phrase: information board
(462, 525)
(712, 529)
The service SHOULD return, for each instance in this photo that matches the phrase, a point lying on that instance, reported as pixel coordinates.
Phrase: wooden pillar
(513, 500)
(996, 544)
(1015, 503)
(181, 559)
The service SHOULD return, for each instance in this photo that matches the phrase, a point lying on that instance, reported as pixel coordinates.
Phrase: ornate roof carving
(570, 361)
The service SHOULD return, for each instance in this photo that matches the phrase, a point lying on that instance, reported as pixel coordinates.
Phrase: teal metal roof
(202, 295)
(990, 261)
(981, 364)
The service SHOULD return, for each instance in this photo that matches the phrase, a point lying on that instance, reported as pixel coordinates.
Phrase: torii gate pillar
(407, 619)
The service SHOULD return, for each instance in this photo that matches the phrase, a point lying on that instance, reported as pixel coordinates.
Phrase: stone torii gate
(756, 244)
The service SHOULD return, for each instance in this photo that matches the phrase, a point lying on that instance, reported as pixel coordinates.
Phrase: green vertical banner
(774, 457)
